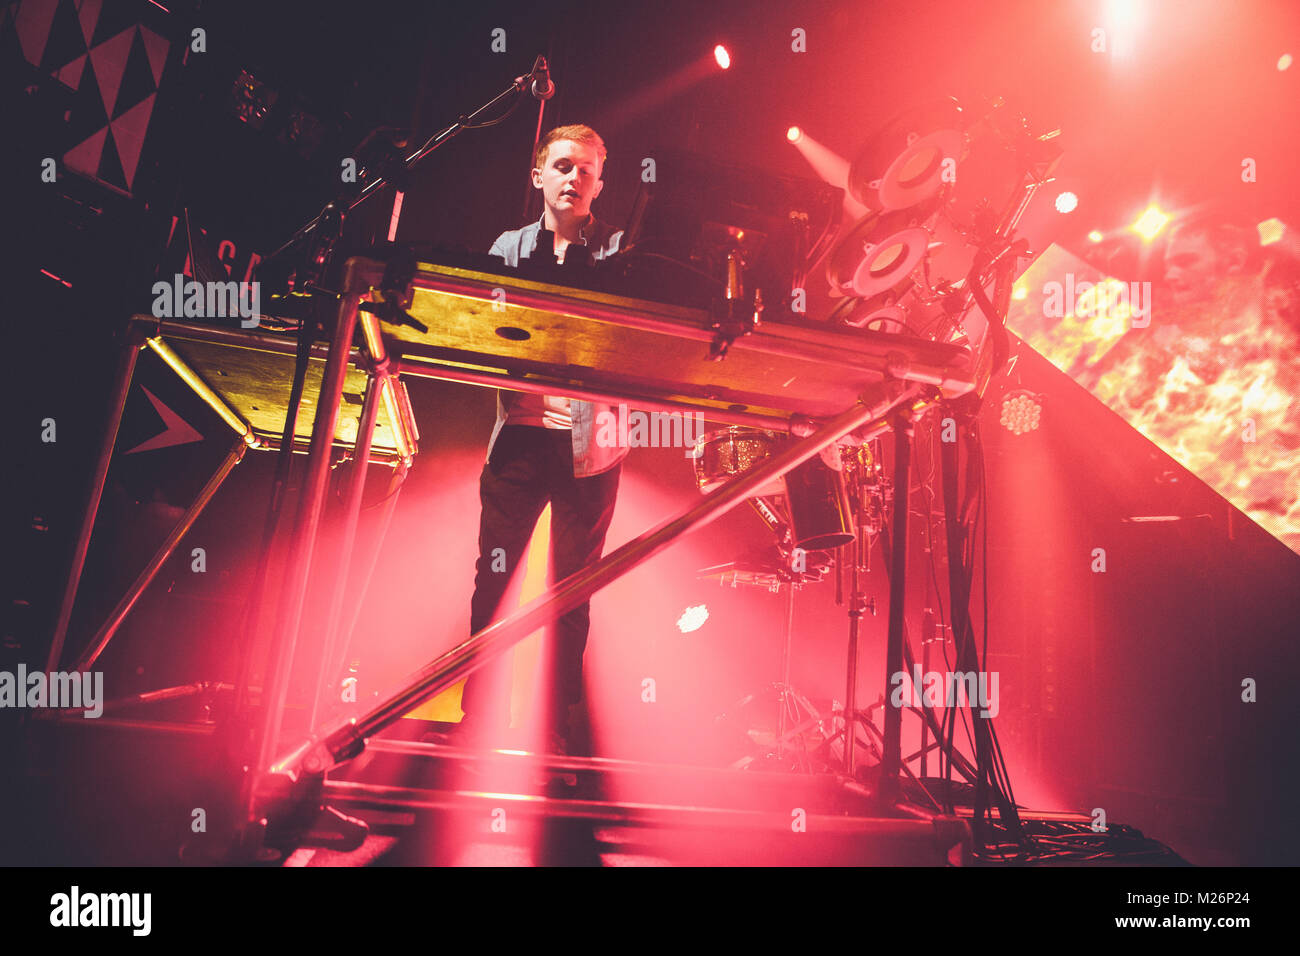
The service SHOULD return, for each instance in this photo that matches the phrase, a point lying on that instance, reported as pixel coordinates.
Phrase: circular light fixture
(906, 162)
(1021, 411)
(877, 254)
(1066, 202)
(722, 57)
(794, 134)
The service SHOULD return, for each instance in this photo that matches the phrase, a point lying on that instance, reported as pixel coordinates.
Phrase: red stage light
(722, 56)
(1066, 202)
(794, 134)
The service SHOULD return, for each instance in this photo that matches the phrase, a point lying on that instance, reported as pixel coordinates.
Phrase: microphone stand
(308, 255)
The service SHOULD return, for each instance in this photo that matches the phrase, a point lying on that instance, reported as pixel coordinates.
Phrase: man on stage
(544, 449)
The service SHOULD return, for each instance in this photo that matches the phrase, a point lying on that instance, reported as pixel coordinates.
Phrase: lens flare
(1150, 223)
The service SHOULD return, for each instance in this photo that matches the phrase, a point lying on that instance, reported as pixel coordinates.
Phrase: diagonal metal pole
(125, 371)
(311, 505)
(348, 740)
(352, 514)
(145, 578)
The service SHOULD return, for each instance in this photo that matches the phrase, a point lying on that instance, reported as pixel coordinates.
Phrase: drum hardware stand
(791, 704)
(888, 791)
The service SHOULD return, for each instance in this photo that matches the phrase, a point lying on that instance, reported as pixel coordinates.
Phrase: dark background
(1120, 690)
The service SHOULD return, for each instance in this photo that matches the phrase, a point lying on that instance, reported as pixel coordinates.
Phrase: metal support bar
(117, 403)
(891, 758)
(375, 384)
(450, 373)
(303, 540)
(145, 578)
(385, 519)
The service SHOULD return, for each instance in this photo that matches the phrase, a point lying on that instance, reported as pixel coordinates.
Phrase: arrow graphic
(176, 431)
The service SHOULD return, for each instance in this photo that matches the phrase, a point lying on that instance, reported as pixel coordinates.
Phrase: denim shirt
(589, 458)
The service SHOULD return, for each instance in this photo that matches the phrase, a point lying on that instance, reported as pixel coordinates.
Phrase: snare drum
(816, 501)
(723, 455)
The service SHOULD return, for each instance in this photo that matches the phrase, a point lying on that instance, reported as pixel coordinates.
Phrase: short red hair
(577, 134)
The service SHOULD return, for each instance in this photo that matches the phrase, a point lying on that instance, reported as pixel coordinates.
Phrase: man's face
(570, 178)
(1191, 267)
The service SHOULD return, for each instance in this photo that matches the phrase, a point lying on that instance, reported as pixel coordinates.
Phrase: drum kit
(813, 513)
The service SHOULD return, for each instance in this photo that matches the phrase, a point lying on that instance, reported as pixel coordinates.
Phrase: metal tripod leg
(117, 403)
(352, 512)
(302, 543)
(145, 578)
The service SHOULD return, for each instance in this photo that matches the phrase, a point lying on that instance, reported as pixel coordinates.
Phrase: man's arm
(507, 247)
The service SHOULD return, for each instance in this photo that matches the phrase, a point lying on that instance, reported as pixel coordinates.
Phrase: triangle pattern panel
(109, 59)
(156, 48)
(66, 41)
(70, 75)
(32, 22)
(110, 166)
(114, 17)
(137, 78)
(88, 16)
(87, 113)
(85, 156)
(128, 134)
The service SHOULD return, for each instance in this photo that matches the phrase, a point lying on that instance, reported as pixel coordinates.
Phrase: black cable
(493, 122)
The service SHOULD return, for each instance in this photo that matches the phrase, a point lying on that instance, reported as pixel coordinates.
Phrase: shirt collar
(586, 233)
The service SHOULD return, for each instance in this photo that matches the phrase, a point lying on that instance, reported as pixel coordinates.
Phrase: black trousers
(529, 467)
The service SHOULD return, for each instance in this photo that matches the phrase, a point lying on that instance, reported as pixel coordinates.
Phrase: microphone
(543, 88)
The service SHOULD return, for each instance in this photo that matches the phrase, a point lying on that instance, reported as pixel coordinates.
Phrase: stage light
(1066, 202)
(1271, 231)
(1020, 293)
(722, 56)
(1284, 61)
(1124, 20)
(693, 618)
(1021, 411)
(876, 255)
(1150, 223)
(909, 160)
(1095, 236)
(794, 134)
